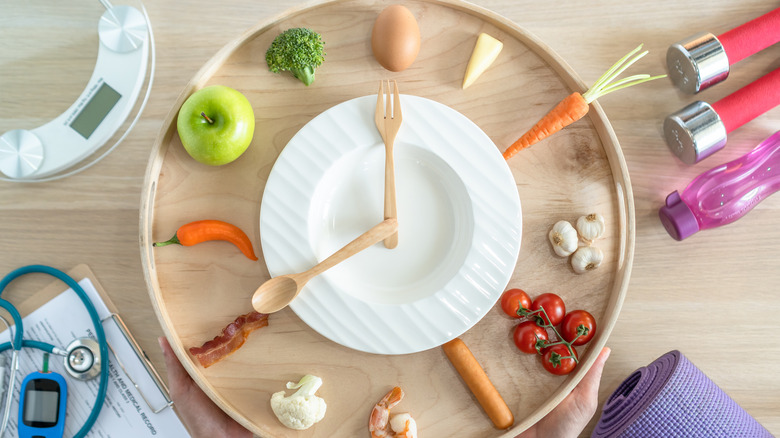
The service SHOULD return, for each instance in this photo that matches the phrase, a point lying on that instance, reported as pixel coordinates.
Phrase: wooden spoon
(276, 293)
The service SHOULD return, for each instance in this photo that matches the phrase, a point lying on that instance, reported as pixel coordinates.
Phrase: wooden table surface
(713, 296)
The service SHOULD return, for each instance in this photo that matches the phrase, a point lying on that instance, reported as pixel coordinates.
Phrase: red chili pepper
(207, 230)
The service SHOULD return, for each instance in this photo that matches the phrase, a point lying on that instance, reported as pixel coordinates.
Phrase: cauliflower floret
(302, 409)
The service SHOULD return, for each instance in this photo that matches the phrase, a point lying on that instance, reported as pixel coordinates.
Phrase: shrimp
(380, 425)
(404, 426)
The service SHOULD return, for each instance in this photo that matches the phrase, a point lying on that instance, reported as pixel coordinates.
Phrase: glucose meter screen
(40, 408)
(95, 110)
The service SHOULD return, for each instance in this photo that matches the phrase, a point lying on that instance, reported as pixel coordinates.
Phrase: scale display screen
(95, 110)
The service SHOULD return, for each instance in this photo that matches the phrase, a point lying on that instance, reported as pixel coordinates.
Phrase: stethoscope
(83, 357)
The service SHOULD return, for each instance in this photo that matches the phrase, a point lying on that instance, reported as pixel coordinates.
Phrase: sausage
(479, 384)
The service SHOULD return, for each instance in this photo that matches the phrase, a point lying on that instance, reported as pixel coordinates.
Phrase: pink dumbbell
(703, 60)
(699, 130)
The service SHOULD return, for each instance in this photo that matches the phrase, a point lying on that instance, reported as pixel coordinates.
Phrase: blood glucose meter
(42, 406)
(111, 93)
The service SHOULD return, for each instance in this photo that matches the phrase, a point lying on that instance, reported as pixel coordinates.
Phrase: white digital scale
(48, 151)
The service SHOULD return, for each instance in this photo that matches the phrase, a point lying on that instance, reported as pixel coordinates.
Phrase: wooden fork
(388, 122)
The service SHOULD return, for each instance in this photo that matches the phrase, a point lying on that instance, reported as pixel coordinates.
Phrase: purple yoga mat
(672, 398)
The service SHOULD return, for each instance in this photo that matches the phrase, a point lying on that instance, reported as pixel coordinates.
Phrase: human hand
(570, 417)
(199, 414)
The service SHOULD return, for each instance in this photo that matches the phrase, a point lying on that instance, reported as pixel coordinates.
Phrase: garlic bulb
(586, 258)
(590, 227)
(563, 238)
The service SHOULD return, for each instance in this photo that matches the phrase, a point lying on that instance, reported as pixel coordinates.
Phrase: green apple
(216, 125)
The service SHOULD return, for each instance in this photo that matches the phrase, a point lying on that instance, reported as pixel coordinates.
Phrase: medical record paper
(125, 413)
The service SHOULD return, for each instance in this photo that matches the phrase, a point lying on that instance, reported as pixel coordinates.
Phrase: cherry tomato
(526, 335)
(553, 306)
(511, 301)
(571, 323)
(554, 362)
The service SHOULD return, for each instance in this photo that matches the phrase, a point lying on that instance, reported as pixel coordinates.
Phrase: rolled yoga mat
(672, 398)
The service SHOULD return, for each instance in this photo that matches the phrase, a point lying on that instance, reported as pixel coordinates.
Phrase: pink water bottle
(725, 193)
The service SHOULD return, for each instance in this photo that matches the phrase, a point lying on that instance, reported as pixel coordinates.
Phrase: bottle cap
(695, 132)
(677, 217)
(697, 62)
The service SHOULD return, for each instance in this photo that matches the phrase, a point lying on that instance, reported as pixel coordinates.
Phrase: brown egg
(395, 39)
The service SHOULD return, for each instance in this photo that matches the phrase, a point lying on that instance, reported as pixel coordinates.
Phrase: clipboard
(79, 273)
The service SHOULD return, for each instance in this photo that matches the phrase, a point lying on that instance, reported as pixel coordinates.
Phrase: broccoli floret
(299, 51)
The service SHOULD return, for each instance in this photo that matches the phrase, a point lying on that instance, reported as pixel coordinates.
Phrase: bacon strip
(232, 338)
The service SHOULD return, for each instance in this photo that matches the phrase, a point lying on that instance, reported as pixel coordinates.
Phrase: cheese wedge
(485, 52)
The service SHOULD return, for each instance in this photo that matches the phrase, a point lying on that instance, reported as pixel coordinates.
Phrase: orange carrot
(568, 111)
(575, 106)
(478, 382)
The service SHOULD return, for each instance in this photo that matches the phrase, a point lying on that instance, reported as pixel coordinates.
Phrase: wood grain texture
(712, 296)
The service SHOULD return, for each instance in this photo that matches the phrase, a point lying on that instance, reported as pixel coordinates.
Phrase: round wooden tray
(196, 291)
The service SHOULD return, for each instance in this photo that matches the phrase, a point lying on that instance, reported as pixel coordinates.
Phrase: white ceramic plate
(459, 221)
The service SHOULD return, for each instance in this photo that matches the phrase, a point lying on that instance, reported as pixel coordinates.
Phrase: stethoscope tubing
(29, 343)
(18, 341)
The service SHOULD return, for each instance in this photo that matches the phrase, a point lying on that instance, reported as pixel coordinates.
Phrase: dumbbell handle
(751, 37)
(750, 101)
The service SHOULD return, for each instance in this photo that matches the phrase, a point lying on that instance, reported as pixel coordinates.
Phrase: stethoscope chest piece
(83, 360)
